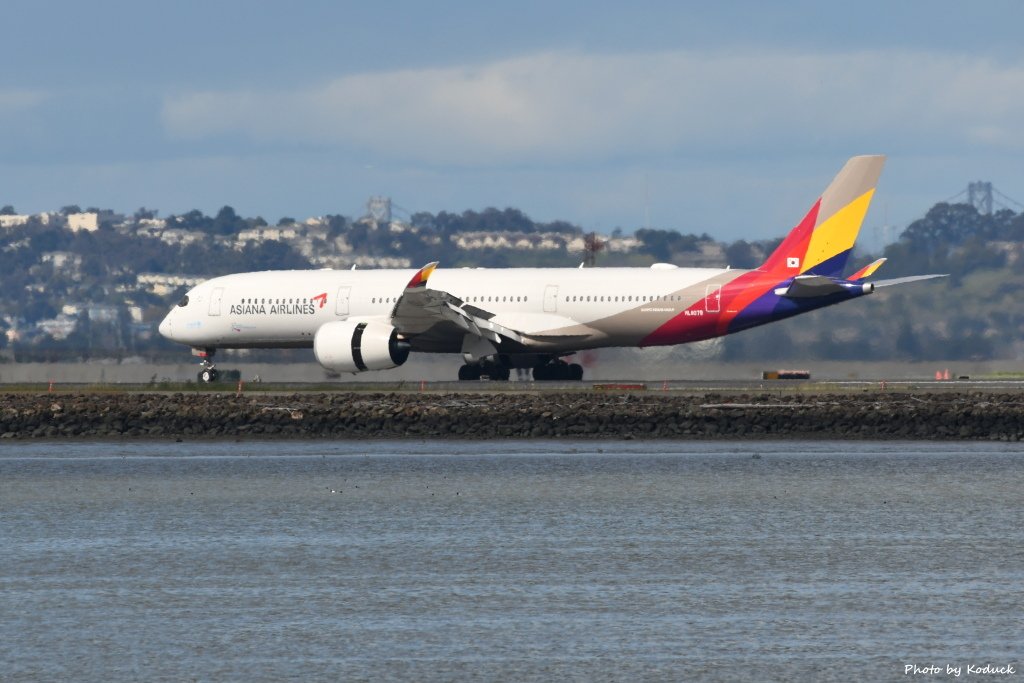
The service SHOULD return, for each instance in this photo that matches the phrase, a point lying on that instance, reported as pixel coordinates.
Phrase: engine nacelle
(345, 346)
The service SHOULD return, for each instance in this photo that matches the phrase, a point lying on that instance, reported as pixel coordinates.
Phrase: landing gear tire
(491, 371)
(559, 370)
(208, 374)
(468, 373)
(498, 374)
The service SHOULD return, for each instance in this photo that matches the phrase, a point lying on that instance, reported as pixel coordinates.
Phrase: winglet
(867, 271)
(421, 277)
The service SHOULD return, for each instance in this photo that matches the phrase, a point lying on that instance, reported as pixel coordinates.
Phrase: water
(512, 561)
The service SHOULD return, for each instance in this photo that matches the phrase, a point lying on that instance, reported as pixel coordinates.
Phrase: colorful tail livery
(822, 242)
(804, 272)
(503, 318)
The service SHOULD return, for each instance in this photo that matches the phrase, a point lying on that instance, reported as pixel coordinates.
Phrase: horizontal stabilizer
(808, 286)
(905, 280)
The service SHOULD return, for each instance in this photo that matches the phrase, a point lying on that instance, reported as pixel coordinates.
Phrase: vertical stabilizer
(822, 242)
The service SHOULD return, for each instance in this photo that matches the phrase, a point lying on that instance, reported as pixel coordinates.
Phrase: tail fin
(822, 242)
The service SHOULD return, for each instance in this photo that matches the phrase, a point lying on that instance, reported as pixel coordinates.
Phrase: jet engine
(345, 346)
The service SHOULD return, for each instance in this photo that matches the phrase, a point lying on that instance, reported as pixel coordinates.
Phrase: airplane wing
(541, 325)
(419, 309)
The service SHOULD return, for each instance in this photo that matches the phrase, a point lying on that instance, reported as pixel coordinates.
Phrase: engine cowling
(345, 346)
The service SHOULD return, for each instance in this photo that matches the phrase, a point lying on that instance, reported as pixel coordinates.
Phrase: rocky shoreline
(527, 415)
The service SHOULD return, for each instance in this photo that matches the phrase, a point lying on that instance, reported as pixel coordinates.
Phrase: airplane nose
(166, 327)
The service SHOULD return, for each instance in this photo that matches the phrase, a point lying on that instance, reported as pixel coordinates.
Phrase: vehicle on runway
(504, 318)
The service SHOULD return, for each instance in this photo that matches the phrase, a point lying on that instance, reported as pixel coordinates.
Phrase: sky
(727, 118)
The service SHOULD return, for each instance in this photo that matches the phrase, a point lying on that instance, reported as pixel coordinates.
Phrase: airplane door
(713, 299)
(341, 307)
(215, 298)
(551, 299)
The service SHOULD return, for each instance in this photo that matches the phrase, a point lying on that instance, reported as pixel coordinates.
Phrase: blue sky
(726, 118)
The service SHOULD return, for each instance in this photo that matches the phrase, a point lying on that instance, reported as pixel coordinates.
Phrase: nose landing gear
(209, 373)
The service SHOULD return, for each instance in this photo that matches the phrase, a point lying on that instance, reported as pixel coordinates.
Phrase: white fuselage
(286, 308)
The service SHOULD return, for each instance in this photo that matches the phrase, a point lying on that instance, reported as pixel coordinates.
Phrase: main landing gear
(548, 370)
(491, 371)
(558, 370)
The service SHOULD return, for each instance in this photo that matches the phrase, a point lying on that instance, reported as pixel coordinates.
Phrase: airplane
(505, 318)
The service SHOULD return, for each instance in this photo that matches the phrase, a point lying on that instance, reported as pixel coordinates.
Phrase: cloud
(14, 101)
(569, 107)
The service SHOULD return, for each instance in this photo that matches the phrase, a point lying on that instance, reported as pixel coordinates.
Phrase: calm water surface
(512, 561)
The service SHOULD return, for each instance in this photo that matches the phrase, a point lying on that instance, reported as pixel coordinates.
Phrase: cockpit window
(184, 301)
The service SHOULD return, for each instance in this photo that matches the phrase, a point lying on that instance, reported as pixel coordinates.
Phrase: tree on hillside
(273, 255)
(227, 222)
(193, 220)
(336, 226)
(662, 244)
(954, 239)
(740, 254)
(422, 220)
